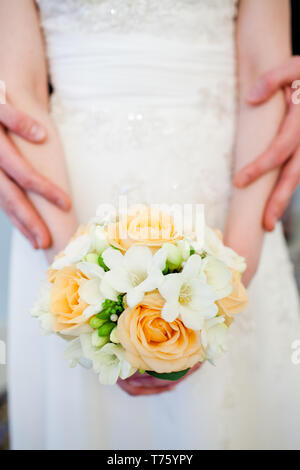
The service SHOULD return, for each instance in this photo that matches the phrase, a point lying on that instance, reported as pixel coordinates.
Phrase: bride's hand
(145, 384)
(17, 178)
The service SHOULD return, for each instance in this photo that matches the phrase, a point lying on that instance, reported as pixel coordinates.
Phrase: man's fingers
(21, 124)
(22, 213)
(284, 189)
(273, 80)
(20, 171)
(282, 147)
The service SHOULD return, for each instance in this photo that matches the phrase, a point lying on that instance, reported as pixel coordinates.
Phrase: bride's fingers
(146, 384)
(273, 80)
(21, 124)
(280, 150)
(22, 213)
(135, 390)
(284, 189)
(20, 171)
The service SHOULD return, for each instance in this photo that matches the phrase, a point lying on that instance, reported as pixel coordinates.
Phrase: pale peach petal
(152, 343)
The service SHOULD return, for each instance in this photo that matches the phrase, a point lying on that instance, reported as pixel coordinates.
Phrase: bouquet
(132, 293)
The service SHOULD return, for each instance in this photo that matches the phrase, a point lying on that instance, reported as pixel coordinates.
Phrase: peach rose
(237, 301)
(142, 226)
(65, 303)
(151, 343)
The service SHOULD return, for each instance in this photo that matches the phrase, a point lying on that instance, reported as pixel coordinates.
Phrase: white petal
(91, 270)
(153, 281)
(191, 318)
(99, 241)
(89, 291)
(112, 258)
(46, 323)
(134, 296)
(170, 287)
(61, 262)
(92, 310)
(119, 279)
(78, 248)
(192, 267)
(203, 297)
(107, 291)
(126, 370)
(73, 351)
(108, 375)
(170, 311)
(138, 258)
(159, 259)
(86, 345)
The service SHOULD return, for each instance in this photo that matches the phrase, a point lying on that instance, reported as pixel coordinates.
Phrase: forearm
(48, 159)
(24, 70)
(256, 129)
(262, 42)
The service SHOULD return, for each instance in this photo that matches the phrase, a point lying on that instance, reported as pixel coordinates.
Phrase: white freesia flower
(134, 273)
(73, 352)
(215, 246)
(188, 296)
(99, 241)
(110, 363)
(75, 251)
(214, 338)
(96, 289)
(218, 276)
(40, 309)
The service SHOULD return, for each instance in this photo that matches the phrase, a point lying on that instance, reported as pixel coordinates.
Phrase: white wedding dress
(144, 100)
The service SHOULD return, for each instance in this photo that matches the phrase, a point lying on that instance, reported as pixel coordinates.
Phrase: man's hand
(284, 151)
(17, 178)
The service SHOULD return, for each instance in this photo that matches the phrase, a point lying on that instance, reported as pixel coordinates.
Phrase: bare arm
(262, 43)
(24, 69)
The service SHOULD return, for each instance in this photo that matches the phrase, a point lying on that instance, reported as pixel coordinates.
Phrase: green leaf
(169, 375)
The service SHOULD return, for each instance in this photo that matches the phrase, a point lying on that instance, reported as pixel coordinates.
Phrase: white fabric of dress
(144, 101)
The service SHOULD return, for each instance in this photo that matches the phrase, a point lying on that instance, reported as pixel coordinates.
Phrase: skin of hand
(17, 177)
(145, 384)
(284, 151)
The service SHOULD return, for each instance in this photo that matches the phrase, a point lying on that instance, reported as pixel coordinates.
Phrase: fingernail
(37, 132)
(38, 241)
(242, 181)
(63, 204)
(253, 95)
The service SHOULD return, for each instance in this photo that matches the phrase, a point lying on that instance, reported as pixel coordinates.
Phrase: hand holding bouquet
(135, 294)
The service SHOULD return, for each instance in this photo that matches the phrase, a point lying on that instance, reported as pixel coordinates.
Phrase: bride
(145, 100)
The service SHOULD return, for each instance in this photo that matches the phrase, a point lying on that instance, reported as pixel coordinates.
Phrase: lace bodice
(149, 84)
(208, 20)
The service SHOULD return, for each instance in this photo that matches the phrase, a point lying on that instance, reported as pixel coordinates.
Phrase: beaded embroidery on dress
(141, 86)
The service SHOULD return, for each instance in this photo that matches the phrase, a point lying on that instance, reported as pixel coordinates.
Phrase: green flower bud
(174, 257)
(104, 314)
(96, 322)
(99, 341)
(106, 329)
(114, 336)
(91, 258)
(184, 249)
